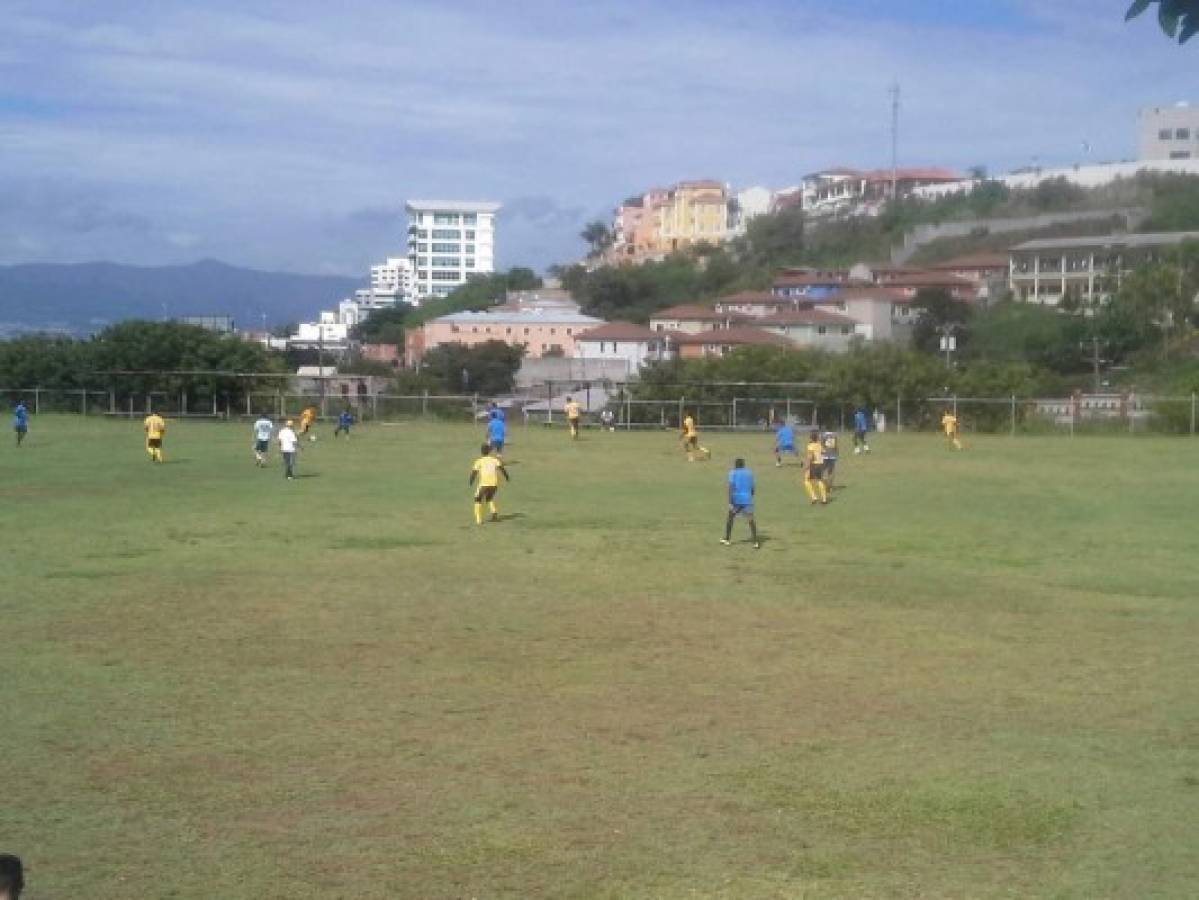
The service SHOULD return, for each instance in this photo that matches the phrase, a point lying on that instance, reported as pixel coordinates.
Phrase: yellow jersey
(572, 410)
(155, 426)
(308, 415)
(950, 423)
(814, 453)
(689, 427)
(488, 469)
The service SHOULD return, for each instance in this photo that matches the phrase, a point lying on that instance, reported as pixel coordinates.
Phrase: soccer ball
(312, 438)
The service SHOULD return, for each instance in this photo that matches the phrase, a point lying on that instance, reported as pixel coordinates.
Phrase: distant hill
(83, 298)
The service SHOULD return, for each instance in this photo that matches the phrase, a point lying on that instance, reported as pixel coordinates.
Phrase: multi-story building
(448, 243)
(696, 212)
(633, 345)
(748, 204)
(1169, 132)
(844, 191)
(394, 277)
(544, 329)
(1089, 269)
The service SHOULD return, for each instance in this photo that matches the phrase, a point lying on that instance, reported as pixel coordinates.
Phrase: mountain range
(82, 298)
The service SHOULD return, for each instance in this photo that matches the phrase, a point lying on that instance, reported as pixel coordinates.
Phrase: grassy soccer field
(971, 675)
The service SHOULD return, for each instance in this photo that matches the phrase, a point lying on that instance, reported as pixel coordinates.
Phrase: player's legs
(808, 488)
(20, 436)
(574, 429)
(728, 526)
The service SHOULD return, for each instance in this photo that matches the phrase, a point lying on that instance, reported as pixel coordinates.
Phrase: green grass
(972, 675)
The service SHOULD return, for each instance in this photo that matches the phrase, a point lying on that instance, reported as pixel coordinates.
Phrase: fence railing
(1087, 413)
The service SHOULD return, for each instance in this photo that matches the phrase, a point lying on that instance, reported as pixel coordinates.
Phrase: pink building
(540, 331)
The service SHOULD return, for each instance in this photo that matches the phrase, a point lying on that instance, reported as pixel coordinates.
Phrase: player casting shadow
(504, 517)
(308, 474)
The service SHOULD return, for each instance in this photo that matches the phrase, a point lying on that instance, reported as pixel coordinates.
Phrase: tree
(1028, 332)
(383, 326)
(939, 313)
(598, 237)
(487, 368)
(1178, 18)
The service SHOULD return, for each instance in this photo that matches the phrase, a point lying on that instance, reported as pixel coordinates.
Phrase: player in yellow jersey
(691, 443)
(813, 474)
(156, 428)
(572, 417)
(307, 417)
(487, 470)
(949, 424)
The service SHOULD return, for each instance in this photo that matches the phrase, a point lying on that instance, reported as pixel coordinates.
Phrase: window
(470, 235)
(1180, 154)
(507, 331)
(453, 329)
(445, 275)
(526, 331)
(1164, 134)
(445, 234)
(1183, 134)
(568, 331)
(422, 260)
(470, 263)
(470, 248)
(845, 329)
(553, 331)
(474, 329)
(822, 330)
(445, 219)
(445, 262)
(445, 248)
(469, 219)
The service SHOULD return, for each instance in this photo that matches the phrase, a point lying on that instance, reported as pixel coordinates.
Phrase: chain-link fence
(1128, 413)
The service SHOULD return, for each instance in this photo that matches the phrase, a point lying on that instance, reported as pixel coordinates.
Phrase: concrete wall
(565, 369)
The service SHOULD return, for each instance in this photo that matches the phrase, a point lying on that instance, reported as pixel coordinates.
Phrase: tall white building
(448, 242)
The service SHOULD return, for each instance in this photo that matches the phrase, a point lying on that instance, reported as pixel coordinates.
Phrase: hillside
(81, 298)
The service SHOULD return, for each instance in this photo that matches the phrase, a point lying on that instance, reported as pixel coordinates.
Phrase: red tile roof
(973, 261)
(753, 297)
(805, 317)
(731, 337)
(619, 331)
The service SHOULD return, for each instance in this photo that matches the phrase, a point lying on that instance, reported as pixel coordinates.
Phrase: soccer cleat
(757, 545)
(725, 541)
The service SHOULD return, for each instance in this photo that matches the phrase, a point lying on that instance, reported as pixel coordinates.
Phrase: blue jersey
(860, 423)
(741, 487)
(784, 438)
(345, 420)
(495, 430)
(20, 416)
(497, 413)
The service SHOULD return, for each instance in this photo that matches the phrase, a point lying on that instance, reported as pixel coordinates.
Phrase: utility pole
(1095, 361)
(894, 92)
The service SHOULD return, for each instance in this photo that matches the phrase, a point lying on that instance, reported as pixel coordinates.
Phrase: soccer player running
(741, 502)
(784, 442)
(861, 424)
(155, 427)
(691, 440)
(497, 432)
(288, 442)
(829, 441)
(572, 417)
(20, 421)
(487, 469)
(263, 428)
(344, 420)
(608, 420)
(307, 417)
(949, 424)
(813, 477)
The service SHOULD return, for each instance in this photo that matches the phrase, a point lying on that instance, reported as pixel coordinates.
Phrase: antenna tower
(894, 92)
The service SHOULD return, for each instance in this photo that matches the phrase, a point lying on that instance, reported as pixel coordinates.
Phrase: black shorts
(691, 441)
(262, 446)
(815, 471)
(830, 465)
(155, 443)
(485, 494)
(860, 435)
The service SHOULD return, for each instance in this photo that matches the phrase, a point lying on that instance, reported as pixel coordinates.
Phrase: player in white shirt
(288, 442)
(263, 429)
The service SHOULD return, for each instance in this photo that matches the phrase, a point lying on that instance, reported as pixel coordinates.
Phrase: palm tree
(598, 236)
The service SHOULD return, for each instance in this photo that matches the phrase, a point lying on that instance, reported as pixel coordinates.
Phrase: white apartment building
(448, 243)
(1169, 132)
(395, 277)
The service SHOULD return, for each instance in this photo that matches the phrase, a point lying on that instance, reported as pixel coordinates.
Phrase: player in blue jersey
(497, 432)
(741, 502)
(494, 411)
(784, 442)
(344, 421)
(20, 421)
(861, 424)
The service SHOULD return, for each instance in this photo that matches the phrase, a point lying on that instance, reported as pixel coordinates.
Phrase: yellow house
(693, 212)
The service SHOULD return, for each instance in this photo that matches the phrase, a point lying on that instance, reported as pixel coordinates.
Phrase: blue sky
(288, 135)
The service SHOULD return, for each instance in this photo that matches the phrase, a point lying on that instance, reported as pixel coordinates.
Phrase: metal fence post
(733, 421)
(1013, 415)
(474, 407)
(898, 413)
(248, 413)
(681, 398)
(83, 401)
(279, 402)
(424, 403)
(37, 401)
(1192, 413)
(375, 407)
(549, 402)
(112, 402)
(183, 402)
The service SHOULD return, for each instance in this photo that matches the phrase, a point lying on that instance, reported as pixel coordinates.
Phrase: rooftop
(729, 337)
(1116, 241)
(621, 331)
(696, 312)
(974, 261)
(466, 206)
(519, 317)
